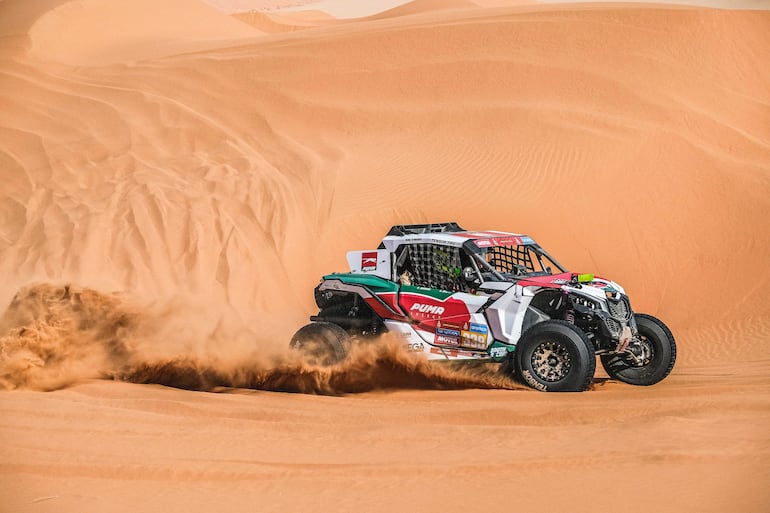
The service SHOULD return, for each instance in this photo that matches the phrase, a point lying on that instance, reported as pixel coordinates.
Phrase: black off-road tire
(663, 358)
(555, 356)
(322, 343)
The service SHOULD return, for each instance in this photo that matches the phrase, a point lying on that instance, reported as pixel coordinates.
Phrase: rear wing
(375, 262)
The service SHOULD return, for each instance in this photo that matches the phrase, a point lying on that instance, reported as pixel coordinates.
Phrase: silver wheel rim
(646, 352)
(551, 361)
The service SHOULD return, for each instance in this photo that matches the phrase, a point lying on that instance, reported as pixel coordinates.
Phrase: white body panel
(375, 262)
(506, 315)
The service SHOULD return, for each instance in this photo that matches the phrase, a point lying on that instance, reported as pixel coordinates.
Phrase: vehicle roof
(479, 239)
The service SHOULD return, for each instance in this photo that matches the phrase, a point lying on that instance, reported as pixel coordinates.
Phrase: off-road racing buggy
(453, 294)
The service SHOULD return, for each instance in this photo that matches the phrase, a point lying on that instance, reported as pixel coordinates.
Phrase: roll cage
(456, 260)
(513, 261)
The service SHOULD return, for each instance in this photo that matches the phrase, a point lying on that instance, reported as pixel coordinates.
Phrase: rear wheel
(650, 357)
(321, 343)
(555, 356)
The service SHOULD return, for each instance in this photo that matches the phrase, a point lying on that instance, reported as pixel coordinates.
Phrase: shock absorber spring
(569, 313)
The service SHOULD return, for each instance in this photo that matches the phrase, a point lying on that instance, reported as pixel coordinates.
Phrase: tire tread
(541, 326)
(607, 360)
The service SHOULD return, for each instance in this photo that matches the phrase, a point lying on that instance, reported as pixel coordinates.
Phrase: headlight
(585, 302)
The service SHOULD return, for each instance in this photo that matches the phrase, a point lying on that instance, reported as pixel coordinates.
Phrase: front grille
(619, 308)
(615, 327)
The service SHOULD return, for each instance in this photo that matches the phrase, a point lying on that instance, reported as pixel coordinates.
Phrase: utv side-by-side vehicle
(453, 294)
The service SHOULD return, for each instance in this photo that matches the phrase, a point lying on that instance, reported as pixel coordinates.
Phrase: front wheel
(651, 355)
(555, 356)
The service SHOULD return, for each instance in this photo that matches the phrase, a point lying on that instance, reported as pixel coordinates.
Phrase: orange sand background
(212, 167)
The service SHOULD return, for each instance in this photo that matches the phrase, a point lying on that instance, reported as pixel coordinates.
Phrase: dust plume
(54, 336)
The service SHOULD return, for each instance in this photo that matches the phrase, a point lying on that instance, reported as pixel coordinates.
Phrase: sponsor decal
(474, 340)
(554, 282)
(444, 331)
(498, 352)
(499, 241)
(527, 240)
(430, 311)
(479, 328)
(427, 309)
(452, 353)
(369, 261)
(424, 307)
(531, 381)
(415, 348)
(448, 325)
(446, 340)
(603, 284)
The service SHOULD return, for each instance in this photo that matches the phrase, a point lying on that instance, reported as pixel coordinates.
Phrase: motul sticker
(369, 261)
(446, 340)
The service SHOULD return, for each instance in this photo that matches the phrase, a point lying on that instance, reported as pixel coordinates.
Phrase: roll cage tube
(539, 253)
(480, 261)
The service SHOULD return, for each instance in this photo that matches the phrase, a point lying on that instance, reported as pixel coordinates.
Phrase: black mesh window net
(512, 259)
(435, 266)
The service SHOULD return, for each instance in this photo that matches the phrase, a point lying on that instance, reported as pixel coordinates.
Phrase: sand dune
(193, 176)
(424, 6)
(288, 451)
(89, 32)
(286, 21)
(163, 154)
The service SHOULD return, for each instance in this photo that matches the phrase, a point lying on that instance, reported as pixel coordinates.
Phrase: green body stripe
(375, 283)
(434, 293)
(380, 285)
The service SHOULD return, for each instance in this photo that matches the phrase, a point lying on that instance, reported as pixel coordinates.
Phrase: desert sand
(175, 178)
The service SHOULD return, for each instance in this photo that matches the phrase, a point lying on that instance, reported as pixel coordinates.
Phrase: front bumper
(613, 326)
